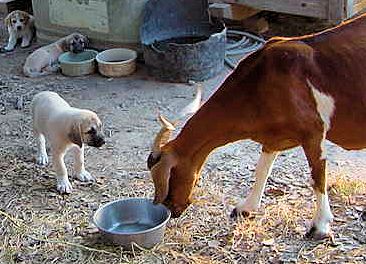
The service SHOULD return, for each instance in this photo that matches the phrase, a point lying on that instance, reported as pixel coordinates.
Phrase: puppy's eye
(21, 20)
(14, 21)
(91, 131)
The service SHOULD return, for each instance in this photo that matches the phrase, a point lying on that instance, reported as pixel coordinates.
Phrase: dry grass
(40, 226)
(345, 186)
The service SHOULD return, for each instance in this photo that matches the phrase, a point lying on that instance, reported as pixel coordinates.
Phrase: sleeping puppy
(20, 25)
(44, 60)
(64, 127)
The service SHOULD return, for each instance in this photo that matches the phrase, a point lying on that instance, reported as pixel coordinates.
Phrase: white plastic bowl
(117, 62)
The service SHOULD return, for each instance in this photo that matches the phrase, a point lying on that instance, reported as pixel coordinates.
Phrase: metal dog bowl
(78, 64)
(117, 62)
(131, 220)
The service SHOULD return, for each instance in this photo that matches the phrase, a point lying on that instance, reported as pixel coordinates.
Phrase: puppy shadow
(97, 241)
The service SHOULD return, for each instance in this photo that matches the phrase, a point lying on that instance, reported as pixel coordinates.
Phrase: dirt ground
(37, 225)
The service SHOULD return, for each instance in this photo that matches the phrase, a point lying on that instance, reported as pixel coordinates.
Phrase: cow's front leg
(262, 172)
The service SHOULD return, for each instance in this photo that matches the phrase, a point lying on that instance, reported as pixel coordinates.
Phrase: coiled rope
(247, 43)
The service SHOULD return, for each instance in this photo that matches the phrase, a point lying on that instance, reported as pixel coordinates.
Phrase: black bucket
(179, 42)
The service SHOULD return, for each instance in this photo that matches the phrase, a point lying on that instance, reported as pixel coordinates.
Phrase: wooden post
(349, 8)
(336, 10)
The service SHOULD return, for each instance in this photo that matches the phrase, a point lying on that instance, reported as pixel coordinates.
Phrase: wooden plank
(3, 9)
(337, 10)
(232, 11)
(241, 11)
(313, 8)
(3, 6)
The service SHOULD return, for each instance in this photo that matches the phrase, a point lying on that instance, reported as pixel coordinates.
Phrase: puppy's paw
(53, 68)
(24, 46)
(42, 160)
(64, 186)
(5, 49)
(85, 176)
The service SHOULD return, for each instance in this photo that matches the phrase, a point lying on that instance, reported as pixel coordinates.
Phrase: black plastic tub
(179, 42)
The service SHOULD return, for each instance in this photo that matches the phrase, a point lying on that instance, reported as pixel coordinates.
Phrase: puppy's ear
(86, 41)
(7, 21)
(75, 135)
(26, 17)
(64, 44)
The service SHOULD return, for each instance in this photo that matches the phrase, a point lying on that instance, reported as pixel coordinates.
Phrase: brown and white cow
(293, 92)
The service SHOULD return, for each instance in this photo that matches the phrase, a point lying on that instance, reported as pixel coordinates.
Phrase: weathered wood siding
(326, 9)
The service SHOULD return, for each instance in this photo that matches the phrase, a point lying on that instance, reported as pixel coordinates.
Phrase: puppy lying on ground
(44, 60)
(20, 25)
(65, 127)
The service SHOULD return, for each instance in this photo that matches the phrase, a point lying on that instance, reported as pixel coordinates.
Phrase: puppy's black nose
(19, 27)
(99, 142)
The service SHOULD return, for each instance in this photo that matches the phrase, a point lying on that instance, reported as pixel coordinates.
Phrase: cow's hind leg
(314, 151)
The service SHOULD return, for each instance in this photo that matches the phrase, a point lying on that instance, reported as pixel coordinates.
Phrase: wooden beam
(312, 8)
(232, 11)
(3, 6)
(337, 10)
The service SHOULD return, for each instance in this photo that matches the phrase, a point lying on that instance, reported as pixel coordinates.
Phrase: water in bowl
(78, 57)
(130, 227)
(121, 60)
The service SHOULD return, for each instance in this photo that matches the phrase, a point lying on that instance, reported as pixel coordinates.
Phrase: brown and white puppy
(20, 25)
(64, 127)
(44, 60)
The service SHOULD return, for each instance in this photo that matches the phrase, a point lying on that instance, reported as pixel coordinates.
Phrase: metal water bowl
(134, 220)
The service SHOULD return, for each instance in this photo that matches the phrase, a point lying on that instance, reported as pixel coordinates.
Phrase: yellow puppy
(64, 127)
(44, 60)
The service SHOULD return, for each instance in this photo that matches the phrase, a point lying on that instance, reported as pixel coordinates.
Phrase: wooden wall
(326, 9)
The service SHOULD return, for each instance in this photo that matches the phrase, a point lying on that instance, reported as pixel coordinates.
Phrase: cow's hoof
(315, 234)
(235, 214)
